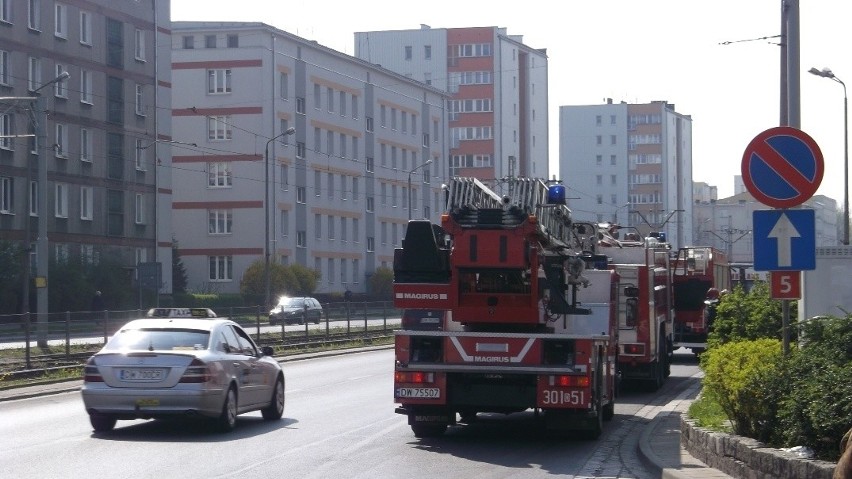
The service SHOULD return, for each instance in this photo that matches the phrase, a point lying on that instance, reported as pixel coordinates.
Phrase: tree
(293, 280)
(304, 280)
(751, 315)
(11, 271)
(179, 277)
(381, 283)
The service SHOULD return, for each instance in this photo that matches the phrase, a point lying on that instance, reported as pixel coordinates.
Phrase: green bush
(748, 315)
(736, 374)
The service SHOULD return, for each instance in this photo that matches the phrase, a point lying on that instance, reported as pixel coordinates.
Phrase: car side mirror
(268, 351)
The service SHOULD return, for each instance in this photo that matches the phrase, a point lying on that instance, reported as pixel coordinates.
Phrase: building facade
(86, 97)
(629, 164)
(352, 151)
(498, 115)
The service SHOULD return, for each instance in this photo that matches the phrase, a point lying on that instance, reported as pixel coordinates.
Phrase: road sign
(786, 284)
(784, 240)
(782, 167)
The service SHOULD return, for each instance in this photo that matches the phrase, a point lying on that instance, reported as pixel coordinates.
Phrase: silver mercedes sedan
(167, 367)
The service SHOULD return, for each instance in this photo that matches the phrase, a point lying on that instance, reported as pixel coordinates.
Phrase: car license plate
(147, 402)
(418, 393)
(140, 374)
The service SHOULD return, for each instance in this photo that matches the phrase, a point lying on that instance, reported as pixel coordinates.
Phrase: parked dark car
(296, 311)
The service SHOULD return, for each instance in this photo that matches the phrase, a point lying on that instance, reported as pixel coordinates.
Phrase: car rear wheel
(228, 419)
(276, 405)
(102, 422)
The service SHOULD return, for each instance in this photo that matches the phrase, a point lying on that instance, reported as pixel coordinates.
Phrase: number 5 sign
(786, 284)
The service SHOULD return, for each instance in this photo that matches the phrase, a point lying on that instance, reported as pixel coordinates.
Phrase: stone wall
(746, 458)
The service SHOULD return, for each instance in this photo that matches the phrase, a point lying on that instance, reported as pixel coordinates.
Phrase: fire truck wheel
(596, 424)
(609, 411)
(428, 430)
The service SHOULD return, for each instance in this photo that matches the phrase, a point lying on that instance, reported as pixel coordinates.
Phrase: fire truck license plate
(418, 393)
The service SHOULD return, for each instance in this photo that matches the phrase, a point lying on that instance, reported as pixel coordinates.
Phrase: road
(338, 422)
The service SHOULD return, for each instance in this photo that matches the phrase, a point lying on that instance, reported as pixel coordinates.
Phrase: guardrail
(62, 335)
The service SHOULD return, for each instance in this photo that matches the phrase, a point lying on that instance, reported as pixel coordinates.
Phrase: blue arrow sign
(784, 240)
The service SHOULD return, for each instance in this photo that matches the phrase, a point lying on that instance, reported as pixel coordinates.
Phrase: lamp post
(429, 162)
(266, 283)
(827, 73)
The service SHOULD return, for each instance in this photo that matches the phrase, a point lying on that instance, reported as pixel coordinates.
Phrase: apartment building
(629, 164)
(498, 114)
(352, 151)
(86, 99)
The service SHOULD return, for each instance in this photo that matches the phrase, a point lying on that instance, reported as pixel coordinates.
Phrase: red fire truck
(699, 275)
(508, 308)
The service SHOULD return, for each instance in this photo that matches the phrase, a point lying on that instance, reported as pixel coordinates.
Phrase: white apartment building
(629, 164)
(338, 185)
(498, 114)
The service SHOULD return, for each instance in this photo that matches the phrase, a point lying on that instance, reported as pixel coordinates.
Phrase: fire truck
(645, 316)
(699, 275)
(508, 307)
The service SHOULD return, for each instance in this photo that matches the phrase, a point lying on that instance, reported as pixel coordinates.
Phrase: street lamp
(289, 131)
(827, 73)
(429, 162)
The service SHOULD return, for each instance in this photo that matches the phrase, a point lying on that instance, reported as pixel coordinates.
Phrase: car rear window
(158, 339)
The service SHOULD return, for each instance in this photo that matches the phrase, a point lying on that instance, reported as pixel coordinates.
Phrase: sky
(716, 61)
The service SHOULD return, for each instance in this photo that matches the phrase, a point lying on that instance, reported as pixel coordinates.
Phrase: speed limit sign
(785, 284)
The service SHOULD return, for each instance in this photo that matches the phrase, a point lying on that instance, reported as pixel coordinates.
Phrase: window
(140, 209)
(354, 107)
(370, 204)
(369, 164)
(221, 268)
(209, 41)
(284, 139)
(140, 155)
(233, 41)
(343, 235)
(317, 183)
(598, 140)
(318, 226)
(383, 113)
(612, 119)
(355, 189)
(613, 180)
(342, 102)
(599, 160)
(598, 120)
(140, 107)
(330, 188)
(6, 195)
(85, 28)
(300, 150)
(218, 128)
(408, 50)
(301, 239)
(60, 88)
(330, 274)
(85, 87)
(188, 42)
(285, 177)
(34, 15)
(61, 146)
(219, 222)
(6, 11)
(5, 63)
(331, 234)
(86, 202)
(301, 195)
(599, 180)
(371, 244)
(61, 21)
(285, 223)
(34, 79)
(427, 52)
(317, 97)
(33, 198)
(612, 140)
(355, 230)
(300, 105)
(61, 205)
(219, 175)
(6, 130)
(329, 93)
(369, 124)
(139, 45)
(612, 160)
(219, 80)
(283, 90)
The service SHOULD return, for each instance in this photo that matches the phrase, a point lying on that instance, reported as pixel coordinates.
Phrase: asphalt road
(338, 422)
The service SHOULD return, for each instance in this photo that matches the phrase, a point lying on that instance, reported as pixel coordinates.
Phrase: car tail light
(91, 374)
(566, 381)
(634, 348)
(196, 372)
(414, 377)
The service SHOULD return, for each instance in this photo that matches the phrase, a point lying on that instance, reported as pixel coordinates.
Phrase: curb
(650, 458)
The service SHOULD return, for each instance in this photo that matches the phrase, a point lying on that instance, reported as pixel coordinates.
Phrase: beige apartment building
(352, 150)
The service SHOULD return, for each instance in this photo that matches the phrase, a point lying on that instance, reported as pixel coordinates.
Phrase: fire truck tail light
(570, 381)
(416, 377)
(634, 348)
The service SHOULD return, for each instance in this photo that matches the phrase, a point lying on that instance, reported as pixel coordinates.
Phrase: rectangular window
(209, 41)
(330, 186)
(300, 150)
(285, 177)
(6, 131)
(369, 164)
(34, 78)
(233, 41)
(612, 160)
(329, 93)
(33, 198)
(301, 239)
(285, 223)
(331, 234)
(370, 204)
(330, 275)
(343, 236)
(283, 89)
(342, 103)
(317, 183)
(427, 52)
(6, 11)
(219, 175)
(301, 195)
(369, 124)
(85, 28)
(371, 244)
(219, 80)
(140, 155)
(34, 15)
(188, 42)
(6, 194)
(139, 45)
(86, 202)
(219, 128)
(140, 99)
(61, 146)
(140, 209)
(219, 222)
(221, 268)
(354, 107)
(355, 230)
(61, 204)
(86, 86)
(60, 88)
(5, 65)
(318, 226)
(408, 50)
(300, 105)
(612, 140)
(317, 97)
(61, 21)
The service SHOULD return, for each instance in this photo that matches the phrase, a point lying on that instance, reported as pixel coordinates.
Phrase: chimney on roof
(423, 26)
